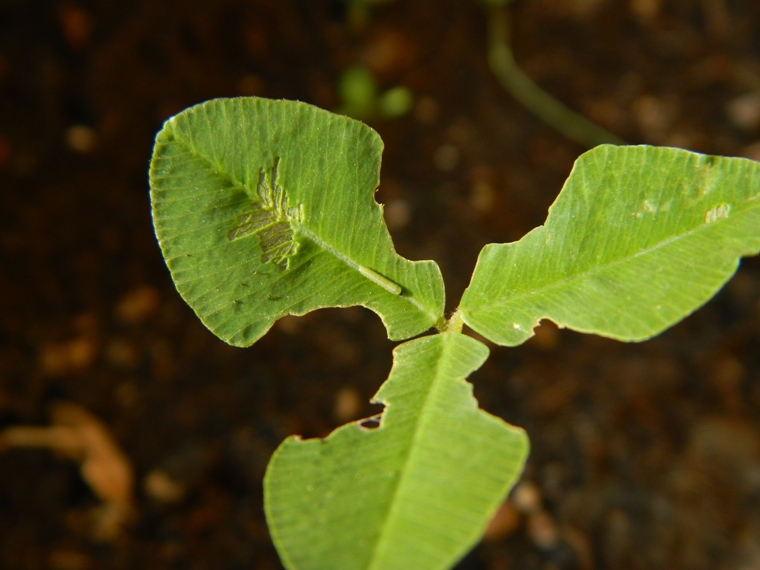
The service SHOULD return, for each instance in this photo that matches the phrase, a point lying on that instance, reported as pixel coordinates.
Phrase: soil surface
(644, 456)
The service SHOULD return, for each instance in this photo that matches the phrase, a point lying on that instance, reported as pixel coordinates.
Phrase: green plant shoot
(265, 208)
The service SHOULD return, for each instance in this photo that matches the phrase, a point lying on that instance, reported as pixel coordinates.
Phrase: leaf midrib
(219, 171)
(500, 304)
(403, 471)
(319, 242)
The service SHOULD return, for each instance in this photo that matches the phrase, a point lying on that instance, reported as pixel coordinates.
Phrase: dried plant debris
(77, 434)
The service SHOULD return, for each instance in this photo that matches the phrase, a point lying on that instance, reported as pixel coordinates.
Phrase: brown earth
(643, 456)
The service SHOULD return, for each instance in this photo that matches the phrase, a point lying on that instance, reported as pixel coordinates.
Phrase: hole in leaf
(372, 422)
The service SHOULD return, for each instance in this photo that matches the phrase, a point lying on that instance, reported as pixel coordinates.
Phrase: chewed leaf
(639, 238)
(265, 208)
(415, 491)
(272, 220)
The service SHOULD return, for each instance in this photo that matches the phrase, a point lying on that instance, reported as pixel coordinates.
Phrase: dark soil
(647, 456)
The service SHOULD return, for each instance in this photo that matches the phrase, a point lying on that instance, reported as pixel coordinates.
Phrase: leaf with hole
(265, 208)
(415, 492)
(638, 239)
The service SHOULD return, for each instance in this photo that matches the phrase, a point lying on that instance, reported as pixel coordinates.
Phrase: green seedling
(265, 208)
(362, 100)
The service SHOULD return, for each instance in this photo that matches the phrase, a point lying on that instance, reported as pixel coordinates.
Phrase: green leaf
(639, 238)
(265, 208)
(416, 492)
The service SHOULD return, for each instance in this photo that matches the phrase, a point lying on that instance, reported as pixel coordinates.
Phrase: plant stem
(453, 324)
(529, 94)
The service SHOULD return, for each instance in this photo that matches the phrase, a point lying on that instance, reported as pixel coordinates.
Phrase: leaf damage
(272, 220)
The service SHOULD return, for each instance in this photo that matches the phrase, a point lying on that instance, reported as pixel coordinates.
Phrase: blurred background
(136, 439)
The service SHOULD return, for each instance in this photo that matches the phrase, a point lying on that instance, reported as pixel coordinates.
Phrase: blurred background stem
(554, 113)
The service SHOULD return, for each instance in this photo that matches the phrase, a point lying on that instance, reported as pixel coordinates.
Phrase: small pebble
(398, 214)
(81, 138)
(542, 530)
(347, 404)
(652, 115)
(527, 497)
(482, 196)
(159, 486)
(67, 357)
(137, 305)
(744, 111)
